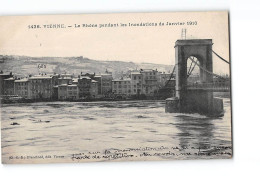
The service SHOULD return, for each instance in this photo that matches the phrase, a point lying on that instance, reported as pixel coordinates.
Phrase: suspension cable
(190, 67)
(190, 71)
(196, 63)
(170, 76)
(220, 57)
(207, 70)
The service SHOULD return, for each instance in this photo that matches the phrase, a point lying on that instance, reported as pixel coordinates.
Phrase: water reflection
(194, 131)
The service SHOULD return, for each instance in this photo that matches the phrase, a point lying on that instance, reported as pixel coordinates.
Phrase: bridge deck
(214, 87)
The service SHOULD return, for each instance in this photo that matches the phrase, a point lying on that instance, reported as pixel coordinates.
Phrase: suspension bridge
(197, 97)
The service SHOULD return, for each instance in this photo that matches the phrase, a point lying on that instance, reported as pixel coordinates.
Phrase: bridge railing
(210, 86)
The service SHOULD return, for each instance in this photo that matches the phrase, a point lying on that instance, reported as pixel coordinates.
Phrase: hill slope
(25, 65)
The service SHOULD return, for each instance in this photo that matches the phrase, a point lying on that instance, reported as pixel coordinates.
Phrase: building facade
(40, 87)
(136, 83)
(121, 86)
(62, 92)
(21, 88)
(72, 92)
(4, 76)
(98, 79)
(84, 85)
(150, 81)
(9, 86)
(106, 83)
(94, 89)
(64, 80)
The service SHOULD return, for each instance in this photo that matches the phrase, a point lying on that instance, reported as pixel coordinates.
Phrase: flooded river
(57, 131)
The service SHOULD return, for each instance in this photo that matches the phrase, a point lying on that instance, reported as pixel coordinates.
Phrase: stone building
(136, 83)
(106, 83)
(4, 76)
(68, 92)
(121, 86)
(98, 79)
(73, 92)
(55, 79)
(94, 89)
(9, 86)
(40, 87)
(64, 80)
(21, 88)
(84, 85)
(55, 92)
(150, 81)
(62, 92)
(75, 81)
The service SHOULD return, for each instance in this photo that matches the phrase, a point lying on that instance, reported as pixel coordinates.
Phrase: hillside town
(137, 84)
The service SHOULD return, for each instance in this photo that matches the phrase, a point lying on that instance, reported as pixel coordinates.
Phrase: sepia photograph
(115, 87)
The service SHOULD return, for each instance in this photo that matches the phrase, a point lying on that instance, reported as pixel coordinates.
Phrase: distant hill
(24, 65)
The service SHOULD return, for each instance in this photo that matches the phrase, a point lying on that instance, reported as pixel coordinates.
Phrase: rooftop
(72, 85)
(9, 79)
(147, 70)
(104, 74)
(135, 73)
(124, 79)
(41, 77)
(75, 80)
(21, 80)
(65, 78)
(5, 74)
(65, 74)
(69, 85)
(84, 77)
(63, 85)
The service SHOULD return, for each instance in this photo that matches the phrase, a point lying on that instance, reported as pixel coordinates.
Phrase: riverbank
(23, 100)
(155, 98)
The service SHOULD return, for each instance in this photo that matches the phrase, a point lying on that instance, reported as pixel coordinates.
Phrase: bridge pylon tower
(188, 100)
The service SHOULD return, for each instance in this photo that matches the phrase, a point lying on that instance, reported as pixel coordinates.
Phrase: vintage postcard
(115, 87)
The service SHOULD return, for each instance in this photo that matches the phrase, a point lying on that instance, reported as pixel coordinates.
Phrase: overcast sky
(136, 44)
